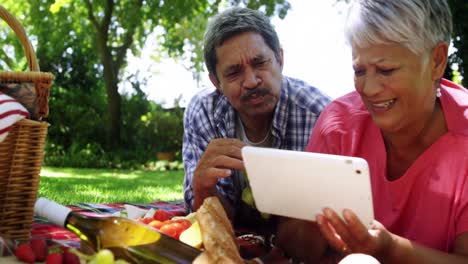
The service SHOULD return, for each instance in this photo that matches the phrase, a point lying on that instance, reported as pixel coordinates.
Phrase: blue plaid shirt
(209, 115)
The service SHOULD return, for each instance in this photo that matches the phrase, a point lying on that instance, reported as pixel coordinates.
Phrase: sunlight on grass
(85, 173)
(70, 185)
(47, 173)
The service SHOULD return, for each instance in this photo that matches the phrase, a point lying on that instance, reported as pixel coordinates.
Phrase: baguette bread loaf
(218, 235)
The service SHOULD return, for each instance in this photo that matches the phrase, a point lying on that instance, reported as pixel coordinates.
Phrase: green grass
(70, 185)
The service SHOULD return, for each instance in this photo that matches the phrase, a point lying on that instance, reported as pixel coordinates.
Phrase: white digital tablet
(300, 184)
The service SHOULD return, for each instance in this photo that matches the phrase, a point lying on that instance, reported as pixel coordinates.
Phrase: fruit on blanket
(25, 253)
(126, 238)
(192, 217)
(104, 256)
(70, 258)
(184, 222)
(172, 229)
(39, 248)
(192, 236)
(54, 258)
(162, 215)
(247, 197)
(156, 224)
(145, 220)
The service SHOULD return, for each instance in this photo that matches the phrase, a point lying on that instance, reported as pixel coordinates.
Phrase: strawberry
(25, 253)
(39, 247)
(64, 249)
(54, 258)
(70, 258)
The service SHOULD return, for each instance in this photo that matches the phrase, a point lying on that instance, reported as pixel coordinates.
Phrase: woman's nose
(369, 86)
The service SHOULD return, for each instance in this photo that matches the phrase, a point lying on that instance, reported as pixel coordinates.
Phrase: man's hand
(220, 157)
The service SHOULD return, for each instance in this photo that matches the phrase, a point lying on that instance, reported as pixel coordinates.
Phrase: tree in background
(460, 39)
(85, 45)
(105, 31)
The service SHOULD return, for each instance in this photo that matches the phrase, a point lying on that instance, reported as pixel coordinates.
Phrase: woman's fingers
(339, 225)
(352, 234)
(330, 234)
(356, 228)
(349, 235)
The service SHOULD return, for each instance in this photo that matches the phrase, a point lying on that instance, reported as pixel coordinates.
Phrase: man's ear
(215, 81)
(439, 57)
(281, 58)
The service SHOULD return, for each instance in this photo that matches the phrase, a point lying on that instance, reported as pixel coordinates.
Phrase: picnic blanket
(252, 245)
(41, 228)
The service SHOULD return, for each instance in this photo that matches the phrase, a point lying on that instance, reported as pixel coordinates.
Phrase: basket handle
(21, 34)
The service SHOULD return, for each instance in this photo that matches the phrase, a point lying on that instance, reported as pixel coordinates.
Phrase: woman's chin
(387, 124)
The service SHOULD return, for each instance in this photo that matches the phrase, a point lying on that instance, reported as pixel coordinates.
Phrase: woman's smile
(382, 106)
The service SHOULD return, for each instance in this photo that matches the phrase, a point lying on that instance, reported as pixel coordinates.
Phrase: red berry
(54, 258)
(64, 249)
(70, 258)
(39, 247)
(25, 253)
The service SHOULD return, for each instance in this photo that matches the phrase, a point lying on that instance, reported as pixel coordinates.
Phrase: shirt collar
(225, 115)
(280, 116)
(454, 100)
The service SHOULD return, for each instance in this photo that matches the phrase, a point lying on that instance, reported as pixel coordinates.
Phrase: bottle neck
(52, 211)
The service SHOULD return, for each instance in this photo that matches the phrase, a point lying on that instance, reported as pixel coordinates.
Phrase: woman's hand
(351, 236)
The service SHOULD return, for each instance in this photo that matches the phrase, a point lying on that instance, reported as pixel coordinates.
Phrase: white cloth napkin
(10, 112)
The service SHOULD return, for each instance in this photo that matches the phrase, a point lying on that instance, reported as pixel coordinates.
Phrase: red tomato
(172, 229)
(162, 215)
(184, 222)
(156, 224)
(169, 230)
(145, 220)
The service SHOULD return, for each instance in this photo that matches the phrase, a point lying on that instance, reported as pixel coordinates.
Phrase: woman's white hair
(419, 25)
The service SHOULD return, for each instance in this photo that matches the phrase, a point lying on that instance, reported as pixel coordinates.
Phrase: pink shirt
(429, 203)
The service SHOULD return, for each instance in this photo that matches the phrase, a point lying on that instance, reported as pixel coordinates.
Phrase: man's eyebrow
(259, 57)
(232, 68)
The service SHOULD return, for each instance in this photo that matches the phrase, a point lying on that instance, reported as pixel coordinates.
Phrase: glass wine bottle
(127, 239)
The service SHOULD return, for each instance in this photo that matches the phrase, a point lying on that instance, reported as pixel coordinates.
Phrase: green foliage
(12, 56)
(147, 128)
(85, 45)
(460, 38)
(169, 130)
(71, 185)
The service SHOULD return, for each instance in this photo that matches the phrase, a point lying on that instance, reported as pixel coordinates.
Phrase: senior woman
(411, 126)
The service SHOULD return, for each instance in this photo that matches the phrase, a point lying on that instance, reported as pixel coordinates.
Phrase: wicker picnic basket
(21, 152)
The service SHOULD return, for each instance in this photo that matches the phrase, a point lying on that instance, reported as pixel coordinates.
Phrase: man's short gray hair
(232, 22)
(419, 25)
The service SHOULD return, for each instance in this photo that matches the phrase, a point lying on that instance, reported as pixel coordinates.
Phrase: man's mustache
(257, 92)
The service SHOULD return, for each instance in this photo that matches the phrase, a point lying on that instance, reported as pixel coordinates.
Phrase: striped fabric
(10, 112)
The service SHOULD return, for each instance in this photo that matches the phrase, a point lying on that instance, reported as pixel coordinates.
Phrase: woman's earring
(438, 93)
